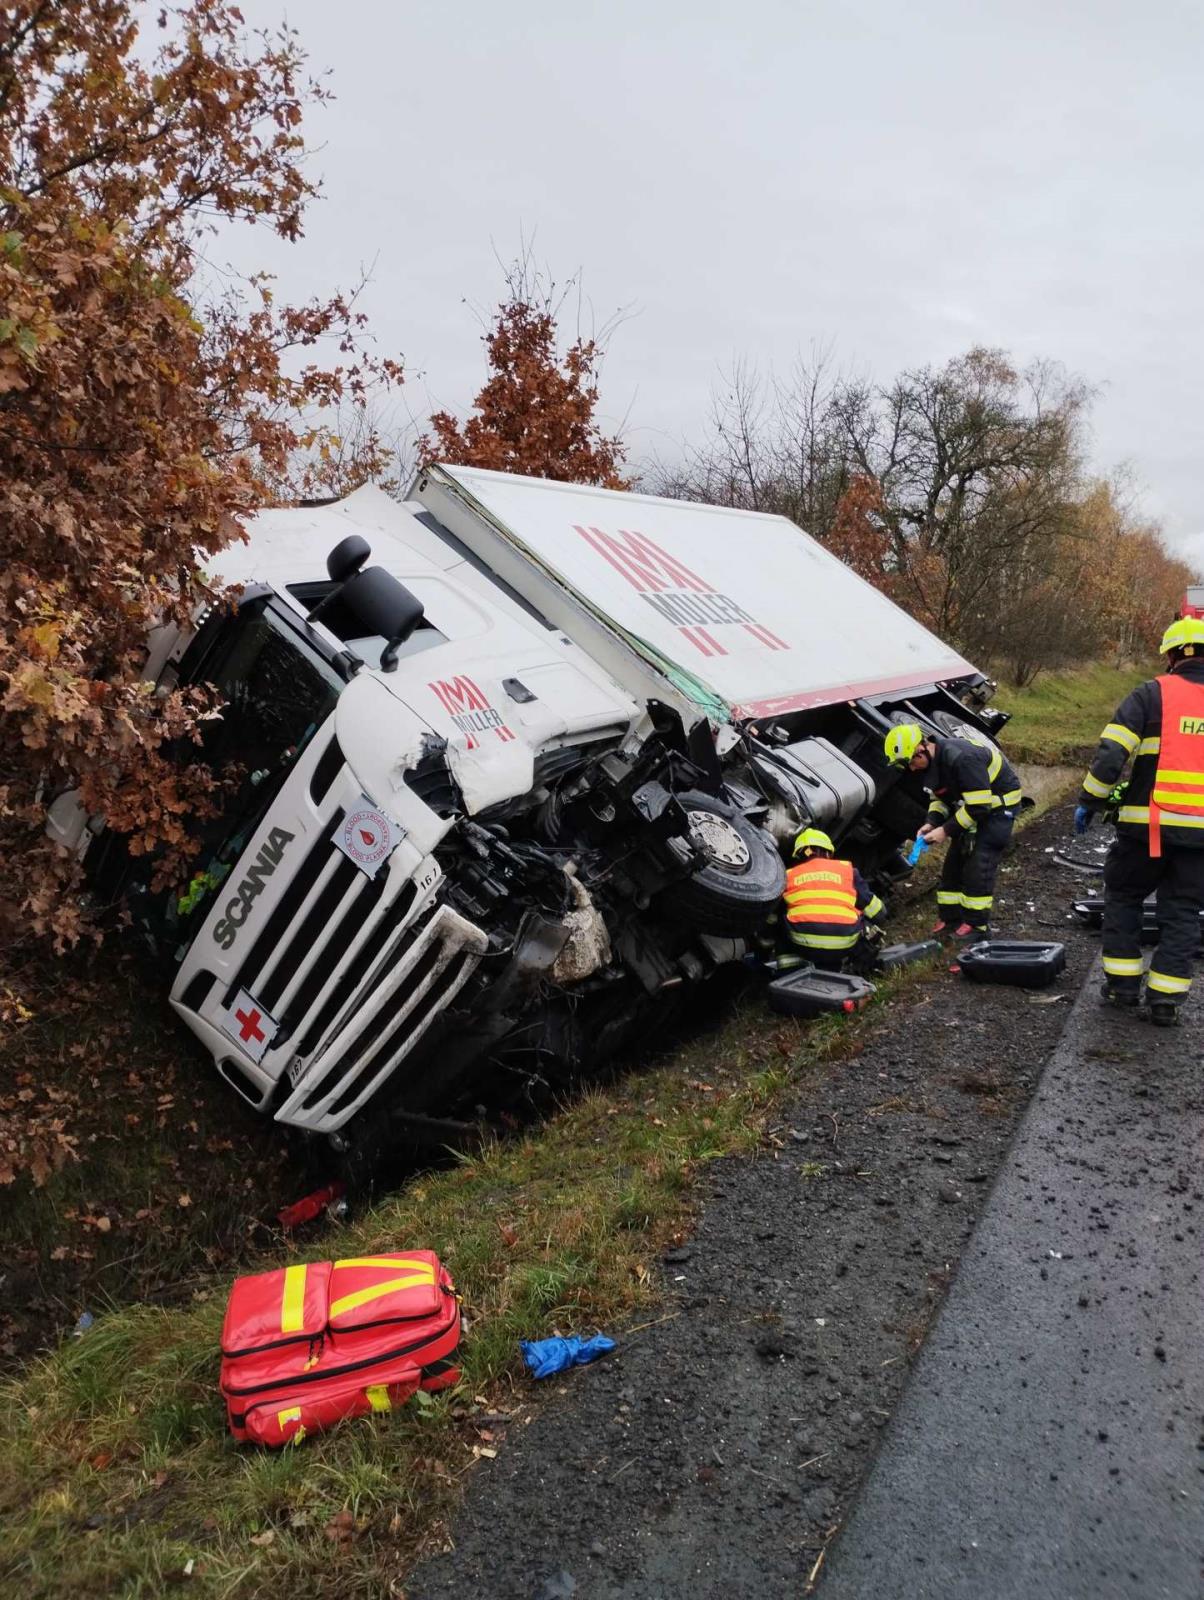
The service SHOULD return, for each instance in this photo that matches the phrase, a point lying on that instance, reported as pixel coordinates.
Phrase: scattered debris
(546, 1357)
(310, 1206)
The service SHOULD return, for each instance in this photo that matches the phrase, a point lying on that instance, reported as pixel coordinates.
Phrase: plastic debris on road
(546, 1357)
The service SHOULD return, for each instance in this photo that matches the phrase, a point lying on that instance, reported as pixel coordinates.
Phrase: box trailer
(512, 766)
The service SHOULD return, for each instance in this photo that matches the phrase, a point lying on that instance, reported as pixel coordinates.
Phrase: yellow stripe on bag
(378, 1397)
(283, 1418)
(292, 1305)
(363, 1297)
(386, 1261)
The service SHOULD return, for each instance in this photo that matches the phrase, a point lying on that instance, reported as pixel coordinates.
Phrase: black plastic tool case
(1031, 963)
(808, 992)
(902, 955)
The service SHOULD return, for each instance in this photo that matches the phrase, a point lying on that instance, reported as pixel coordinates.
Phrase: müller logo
(470, 710)
(678, 594)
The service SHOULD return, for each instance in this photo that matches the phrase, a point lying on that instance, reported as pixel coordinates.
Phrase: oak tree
(537, 412)
(140, 417)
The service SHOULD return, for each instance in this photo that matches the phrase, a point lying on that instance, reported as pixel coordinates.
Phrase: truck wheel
(741, 882)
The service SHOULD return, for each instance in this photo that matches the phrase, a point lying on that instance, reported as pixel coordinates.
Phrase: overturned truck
(515, 765)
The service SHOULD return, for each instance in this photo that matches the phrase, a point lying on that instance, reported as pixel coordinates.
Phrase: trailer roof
(752, 608)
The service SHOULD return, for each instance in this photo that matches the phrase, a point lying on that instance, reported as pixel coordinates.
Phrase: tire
(742, 883)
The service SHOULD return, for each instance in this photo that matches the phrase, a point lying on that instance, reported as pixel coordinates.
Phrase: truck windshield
(277, 688)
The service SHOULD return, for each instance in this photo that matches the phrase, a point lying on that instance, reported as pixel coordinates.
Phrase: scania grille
(420, 974)
(322, 939)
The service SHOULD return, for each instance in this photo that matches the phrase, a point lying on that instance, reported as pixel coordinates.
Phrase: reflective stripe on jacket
(827, 903)
(968, 779)
(1136, 732)
(1178, 797)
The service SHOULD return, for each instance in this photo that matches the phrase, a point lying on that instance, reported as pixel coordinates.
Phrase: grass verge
(116, 1475)
(1058, 719)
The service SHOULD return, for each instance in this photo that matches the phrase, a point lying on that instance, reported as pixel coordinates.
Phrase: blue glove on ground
(546, 1357)
(1083, 816)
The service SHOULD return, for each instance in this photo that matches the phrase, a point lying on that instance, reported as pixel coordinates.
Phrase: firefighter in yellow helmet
(975, 795)
(1159, 844)
(831, 912)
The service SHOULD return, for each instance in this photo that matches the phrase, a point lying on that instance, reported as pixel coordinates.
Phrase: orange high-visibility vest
(1177, 798)
(821, 891)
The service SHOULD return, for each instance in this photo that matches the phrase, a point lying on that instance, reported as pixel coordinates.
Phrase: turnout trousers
(1131, 875)
(967, 887)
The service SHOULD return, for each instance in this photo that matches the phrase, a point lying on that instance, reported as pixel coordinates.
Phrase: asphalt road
(717, 1450)
(1051, 1439)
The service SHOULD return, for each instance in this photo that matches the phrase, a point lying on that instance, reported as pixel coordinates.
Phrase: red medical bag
(305, 1346)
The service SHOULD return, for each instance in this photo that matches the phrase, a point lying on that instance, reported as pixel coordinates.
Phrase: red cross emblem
(249, 1025)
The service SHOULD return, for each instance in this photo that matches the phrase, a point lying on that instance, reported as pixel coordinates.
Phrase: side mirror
(347, 557)
(384, 606)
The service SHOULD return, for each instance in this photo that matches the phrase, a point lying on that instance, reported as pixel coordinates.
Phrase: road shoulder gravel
(718, 1450)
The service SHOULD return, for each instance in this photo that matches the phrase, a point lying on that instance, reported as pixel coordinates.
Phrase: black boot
(1124, 998)
(1164, 1013)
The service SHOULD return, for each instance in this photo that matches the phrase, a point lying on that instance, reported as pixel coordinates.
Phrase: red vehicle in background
(1193, 602)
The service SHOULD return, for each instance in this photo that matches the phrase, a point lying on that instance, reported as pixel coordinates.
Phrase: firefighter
(831, 912)
(975, 795)
(1159, 842)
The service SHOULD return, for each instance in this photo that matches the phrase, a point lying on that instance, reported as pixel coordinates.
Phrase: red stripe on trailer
(833, 695)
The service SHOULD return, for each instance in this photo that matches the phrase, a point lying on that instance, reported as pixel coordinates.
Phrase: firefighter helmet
(1183, 633)
(813, 839)
(902, 742)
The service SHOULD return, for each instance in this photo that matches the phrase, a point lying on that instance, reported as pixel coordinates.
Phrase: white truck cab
(512, 764)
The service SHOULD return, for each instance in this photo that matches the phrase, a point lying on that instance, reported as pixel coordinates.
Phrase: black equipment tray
(1031, 963)
(902, 955)
(808, 992)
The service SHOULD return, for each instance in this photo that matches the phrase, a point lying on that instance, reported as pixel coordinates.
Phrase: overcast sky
(901, 181)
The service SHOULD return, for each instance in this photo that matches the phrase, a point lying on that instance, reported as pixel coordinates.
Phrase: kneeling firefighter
(831, 912)
(975, 795)
(1159, 842)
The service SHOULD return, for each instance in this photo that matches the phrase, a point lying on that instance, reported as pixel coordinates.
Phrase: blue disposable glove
(916, 851)
(1083, 817)
(546, 1357)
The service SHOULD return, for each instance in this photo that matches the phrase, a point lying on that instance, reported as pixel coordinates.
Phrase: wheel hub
(721, 842)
